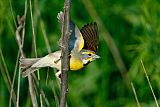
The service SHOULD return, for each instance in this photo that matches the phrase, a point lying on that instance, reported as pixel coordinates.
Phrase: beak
(96, 56)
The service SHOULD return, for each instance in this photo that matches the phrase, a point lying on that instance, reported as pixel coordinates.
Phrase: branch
(32, 92)
(20, 41)
(65, 54)
(33, 34)
(20, 27)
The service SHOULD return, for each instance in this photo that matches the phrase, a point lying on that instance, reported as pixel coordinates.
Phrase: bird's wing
(90, 35)
(76, 42)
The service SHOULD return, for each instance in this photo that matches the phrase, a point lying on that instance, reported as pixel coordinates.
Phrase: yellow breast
(81, 44)
(75, 64)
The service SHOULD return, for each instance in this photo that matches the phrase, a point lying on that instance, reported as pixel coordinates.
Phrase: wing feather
(76, 42)
(90, 36)
(86, 38)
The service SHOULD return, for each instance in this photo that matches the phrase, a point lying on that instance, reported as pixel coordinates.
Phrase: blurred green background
(134, 27)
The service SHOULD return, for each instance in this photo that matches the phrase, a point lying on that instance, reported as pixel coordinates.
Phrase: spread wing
(90, 36)
(76, 42)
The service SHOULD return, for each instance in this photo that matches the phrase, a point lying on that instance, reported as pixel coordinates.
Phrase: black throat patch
(86, 63)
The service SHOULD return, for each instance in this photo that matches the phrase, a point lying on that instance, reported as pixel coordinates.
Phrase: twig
(41, 100)
(37, 13)
(45, 99)
(18, 89)
(41, 90)
(149, 84)
(32, 93)
(6, 77)
(10, 3)
(6, 70)
(135, 95)
(33, 34)
(65, 54)
(31, 90)
(54, 92)
(45, 37)
(24, 23)
(21, 26)
(20, 44)
(14, 77)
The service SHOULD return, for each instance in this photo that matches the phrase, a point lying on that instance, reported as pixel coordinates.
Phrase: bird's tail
(26, 65)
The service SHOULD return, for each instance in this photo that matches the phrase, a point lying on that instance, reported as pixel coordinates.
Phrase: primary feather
(90, 36)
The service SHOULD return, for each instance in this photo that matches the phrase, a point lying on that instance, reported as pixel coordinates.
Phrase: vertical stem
(18, 89)
(65, 54)
(135, 95)
(13, 80)
(34, 35)
(32, 92)
(150, 84)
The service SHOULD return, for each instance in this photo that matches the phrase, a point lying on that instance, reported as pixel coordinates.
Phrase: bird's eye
(89, 54)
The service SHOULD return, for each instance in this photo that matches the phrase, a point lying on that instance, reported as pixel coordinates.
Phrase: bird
(83, 45)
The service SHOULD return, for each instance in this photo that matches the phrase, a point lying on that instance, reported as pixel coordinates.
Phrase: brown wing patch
(90, 36)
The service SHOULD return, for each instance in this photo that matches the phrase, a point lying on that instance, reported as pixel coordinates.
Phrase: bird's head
(88, 56)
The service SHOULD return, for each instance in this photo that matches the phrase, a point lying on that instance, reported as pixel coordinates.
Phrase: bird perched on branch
(83, 45)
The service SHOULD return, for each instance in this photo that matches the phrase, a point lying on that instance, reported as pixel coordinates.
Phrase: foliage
(133, 25)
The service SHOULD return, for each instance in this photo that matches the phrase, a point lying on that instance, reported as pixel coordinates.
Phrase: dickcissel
(83, 45)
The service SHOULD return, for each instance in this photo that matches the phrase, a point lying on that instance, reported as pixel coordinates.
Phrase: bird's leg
(56, 61)
(59, 75)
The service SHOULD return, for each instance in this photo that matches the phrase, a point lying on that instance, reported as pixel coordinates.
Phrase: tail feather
(29, 65)
(25, 65)
(26, 62)
(28, 71)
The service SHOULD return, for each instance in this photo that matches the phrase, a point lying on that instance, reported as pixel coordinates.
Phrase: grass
(129, 32)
